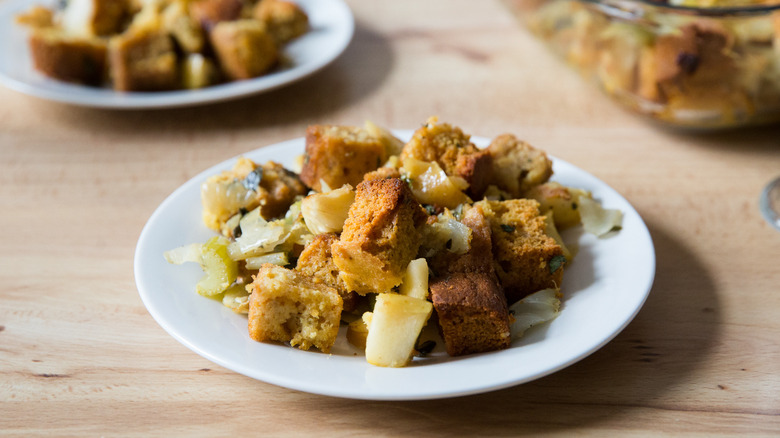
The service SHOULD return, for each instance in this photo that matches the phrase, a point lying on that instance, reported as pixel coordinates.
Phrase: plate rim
(462, 390)
(343, 29)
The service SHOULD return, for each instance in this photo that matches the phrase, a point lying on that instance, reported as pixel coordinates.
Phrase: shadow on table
(352, 77)
(670, 337)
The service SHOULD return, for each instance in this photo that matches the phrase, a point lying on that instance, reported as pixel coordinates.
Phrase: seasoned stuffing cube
(452, 150)
(285, 20)
(526, 259)
(469, 301)
(285, 306)
(248, 186)
(517, 166)
(187, 32)
(68, 58)
(244, 49)
(94, 17)
(380, 237)
(340, 155)
(316, 263)
(143, 59)
(210, 12)
(382, 173)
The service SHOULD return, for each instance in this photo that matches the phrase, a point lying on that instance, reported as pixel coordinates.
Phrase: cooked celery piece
(534, 309)
(276, 258)
(184, 254)
(446, 233)
(597, 219)
(395, 325)
(431, 185)
(326, 212)
(236, 298)
(415, 281)
(221, 271)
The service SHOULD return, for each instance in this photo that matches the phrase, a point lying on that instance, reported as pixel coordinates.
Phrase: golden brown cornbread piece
(210, 12)
(225, 194)
(143, 59)
(469, 301)
(382, 173)
(522, 252)
(187, 32)
(316, 263)
(517, 166)
(285, 306)
(94, 17)
(244, 49)
(285, 20)
(452, 150)
(68, 58)
(380, 236)
(340, 155)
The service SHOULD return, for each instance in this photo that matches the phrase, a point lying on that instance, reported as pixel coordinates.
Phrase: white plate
(603, 289)
(332, 26)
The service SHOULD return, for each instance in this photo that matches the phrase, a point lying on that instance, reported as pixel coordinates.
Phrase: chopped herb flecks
(425, 348)
(507, 228)
(556, 263)
(252, 180)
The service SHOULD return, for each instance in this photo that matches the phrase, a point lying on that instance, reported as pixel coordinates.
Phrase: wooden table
(80, 355)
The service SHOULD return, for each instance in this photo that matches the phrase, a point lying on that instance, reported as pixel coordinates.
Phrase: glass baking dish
(685, 66)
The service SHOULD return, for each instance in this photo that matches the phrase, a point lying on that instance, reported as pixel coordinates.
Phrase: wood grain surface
(81, 356)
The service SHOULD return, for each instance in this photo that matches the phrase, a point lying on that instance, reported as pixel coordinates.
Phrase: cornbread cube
(248, 186)
(316, 263)
(382, 173)
(94, 17)
(285, 20)
(210, 12)
(522, 251)
(244, 49)
(340, 155)
(68, 58)
(448, 146)
(285, 306)
(469, 301)
(380, 237)
(143, 59)
(517, 166)
(187, 32)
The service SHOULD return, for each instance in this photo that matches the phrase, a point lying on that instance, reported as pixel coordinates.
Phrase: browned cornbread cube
(143, 59)
(94, 17)
(340, 155)
(517, 166)
(382, 173)
(469, 301)
(285, 306)
(316, 263)
(522, 252)
(244, 49)
(285, 20)
(68, 58)
(453, 150)
(210, 12)
(472, 313)
(380, 236)
(248, 186)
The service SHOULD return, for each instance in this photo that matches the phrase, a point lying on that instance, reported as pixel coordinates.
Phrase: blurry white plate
(603, 289)
(332, 26)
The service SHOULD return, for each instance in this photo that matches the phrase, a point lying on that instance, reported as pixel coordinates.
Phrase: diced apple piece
(415, 282)
(395, 326)
(432, 186)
